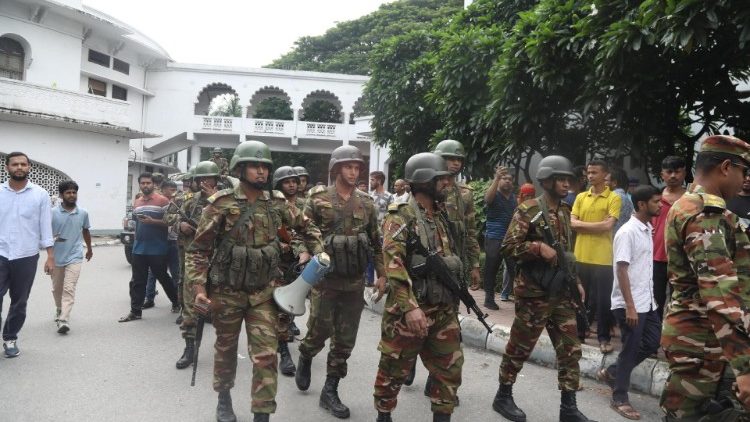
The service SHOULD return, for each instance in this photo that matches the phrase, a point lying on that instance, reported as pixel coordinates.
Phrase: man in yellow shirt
(593, 218)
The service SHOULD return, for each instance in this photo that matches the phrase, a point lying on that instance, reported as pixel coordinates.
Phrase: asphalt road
(106, 371)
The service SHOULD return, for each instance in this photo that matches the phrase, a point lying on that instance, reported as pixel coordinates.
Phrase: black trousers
(16, 277)
(140, 266)
(597, 282)
(661, 286)
(638, 343)
(492, 260)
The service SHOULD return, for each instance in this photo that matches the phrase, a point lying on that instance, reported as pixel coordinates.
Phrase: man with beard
(150, 248)
(349, 223)
(169, 191)
(400, 193)
(204, 178)
(382, 197)
(421, 315)
(70, 227)
(673, 173)
(20, 241)
(740, 204)
(500, 204)
(304, 182)
(236, 247)
(538, 308)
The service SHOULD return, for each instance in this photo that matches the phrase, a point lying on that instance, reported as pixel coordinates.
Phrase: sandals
(604, 376)
(625, 410)
(129, 317)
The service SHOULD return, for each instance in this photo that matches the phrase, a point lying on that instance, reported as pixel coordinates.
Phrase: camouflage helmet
(217, 150)
(450, 149)
(205, 169)
(251, 152)
(301, 171)
(282, 173)
(345, 154)
(554, 165)
(424, 167)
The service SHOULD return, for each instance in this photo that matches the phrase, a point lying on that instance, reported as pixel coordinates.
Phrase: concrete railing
(273, 128)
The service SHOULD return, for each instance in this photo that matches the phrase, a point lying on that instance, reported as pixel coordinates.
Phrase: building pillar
(195, 155)
(295, 123)
(345, 128)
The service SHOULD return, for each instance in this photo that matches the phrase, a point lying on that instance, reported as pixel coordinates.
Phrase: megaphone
(291, 298)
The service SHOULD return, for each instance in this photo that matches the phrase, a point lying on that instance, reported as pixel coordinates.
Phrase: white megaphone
(291, 298)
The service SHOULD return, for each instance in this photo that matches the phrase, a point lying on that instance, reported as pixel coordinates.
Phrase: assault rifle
(563, 265)
(437, 266)
(173, 208)
(202, 312)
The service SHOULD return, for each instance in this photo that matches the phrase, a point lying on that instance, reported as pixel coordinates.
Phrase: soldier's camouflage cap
(728, 145)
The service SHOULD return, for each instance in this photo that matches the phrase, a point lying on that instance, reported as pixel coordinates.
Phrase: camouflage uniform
(535, 310)
(254, 303)
(288, 260)
(459, 205)
(336, 302)
(192, 207)
(223, 165)
(706, 324)
(441, 349)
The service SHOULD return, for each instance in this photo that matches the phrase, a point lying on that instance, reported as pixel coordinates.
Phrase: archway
(270, 102)
(321, 106)
(208, 93)
(15, 56)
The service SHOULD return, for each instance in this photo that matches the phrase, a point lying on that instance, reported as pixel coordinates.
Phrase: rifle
(173, 208)
(563, 265)
(438, 267)
(202, 311)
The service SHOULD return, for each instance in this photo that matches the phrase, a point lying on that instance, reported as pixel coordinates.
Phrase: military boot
(569, 409)
(302, 377)
(329, 398)
(261, 417)
(504, 404)
(413, 373)
(224, 411)
(187, 355)
(286, 365)
(384, 417)
(441, 417)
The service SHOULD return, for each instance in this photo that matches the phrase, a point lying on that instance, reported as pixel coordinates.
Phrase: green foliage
(480, 188)
(227, 105)
(321, 111)
(273, 108)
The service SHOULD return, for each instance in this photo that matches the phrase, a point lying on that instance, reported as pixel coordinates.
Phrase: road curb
(106, 243)
(649, 377)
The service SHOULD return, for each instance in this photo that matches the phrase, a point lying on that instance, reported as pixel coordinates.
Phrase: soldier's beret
(728, 145)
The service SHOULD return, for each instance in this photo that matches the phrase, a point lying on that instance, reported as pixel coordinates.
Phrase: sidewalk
(104, 241)
(648, 377)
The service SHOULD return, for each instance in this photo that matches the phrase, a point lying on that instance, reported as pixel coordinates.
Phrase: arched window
(11, 58)
(45, 176)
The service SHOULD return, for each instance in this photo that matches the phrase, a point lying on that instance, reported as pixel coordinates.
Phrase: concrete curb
(649, 377)
(106, 243)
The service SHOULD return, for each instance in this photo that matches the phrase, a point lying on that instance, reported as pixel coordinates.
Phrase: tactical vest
(427, 288)
(247, 264)
(349, 253)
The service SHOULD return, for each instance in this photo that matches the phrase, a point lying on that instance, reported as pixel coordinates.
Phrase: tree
(227, 105)
(273, 108)
(321, 111)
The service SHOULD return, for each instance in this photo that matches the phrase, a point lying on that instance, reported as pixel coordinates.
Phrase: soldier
(237, 235)
(216, 157)
(705, 331)
(537, 308)
(187, 189)
(348, 220)
(421, 315)
(304, 180)
(203, 180)
(158, 179)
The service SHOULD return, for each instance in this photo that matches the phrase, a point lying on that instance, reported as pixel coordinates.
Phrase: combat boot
(384, 417)
(302, 377)
(224, 411)
(413, 373)
(441, 417)
(504, 404)
(260, 417)
(329, 398)
(286, 365)
(569, 409)
(187, 355)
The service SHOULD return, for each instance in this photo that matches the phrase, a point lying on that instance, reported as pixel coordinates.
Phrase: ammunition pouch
(553, 280)
(349, 254)
(427, 288)
(245, 268)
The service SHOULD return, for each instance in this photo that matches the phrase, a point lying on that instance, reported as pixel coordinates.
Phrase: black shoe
(148, 304)
(441, 417)
(176, 308)
(187, 355)
(302, 376)
(569, 409)
(329, 398)
(384, 417)
(129, 317)
(491, 305)
(286, 365)
(179, 319)
(413, 373)
(504, 404)
(224, 411)
(293, 327)
(260, 417)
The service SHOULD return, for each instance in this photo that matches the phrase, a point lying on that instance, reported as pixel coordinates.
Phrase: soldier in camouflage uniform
(537, 308)
(348, 220)
(421, 315)
(237, 237)
(705, 331)
(304, 182)
(203, 180)
(220, 161)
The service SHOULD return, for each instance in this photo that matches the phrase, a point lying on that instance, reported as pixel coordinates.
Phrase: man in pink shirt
(673, 173)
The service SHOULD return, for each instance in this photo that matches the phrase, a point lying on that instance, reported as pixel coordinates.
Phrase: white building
(89, 98)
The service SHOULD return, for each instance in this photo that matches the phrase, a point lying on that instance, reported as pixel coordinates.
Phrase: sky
(248, 33)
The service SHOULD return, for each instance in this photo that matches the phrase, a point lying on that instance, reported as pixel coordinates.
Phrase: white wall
(98, 163)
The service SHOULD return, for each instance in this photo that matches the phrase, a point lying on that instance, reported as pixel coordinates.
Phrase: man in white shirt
(401, 195)
(25, 227)
(633, 303)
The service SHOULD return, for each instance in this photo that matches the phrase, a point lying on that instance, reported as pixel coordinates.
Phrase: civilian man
(500, 203)
(401, 195)
(169, 191)
(617, 180)
(382, 197)
(740, 204)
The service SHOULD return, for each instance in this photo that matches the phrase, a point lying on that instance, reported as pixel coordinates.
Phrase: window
(121, 66)
(119, 93)
(11, 58)
(99, 58)
(97, 87)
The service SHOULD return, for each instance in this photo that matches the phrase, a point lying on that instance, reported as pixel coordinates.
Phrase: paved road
(105, 371)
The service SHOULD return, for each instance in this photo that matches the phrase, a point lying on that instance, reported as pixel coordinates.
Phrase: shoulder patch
(278, 195)
(713, 201)
(393, 208)
(528, 204)
(224, 192)
(316, 190)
